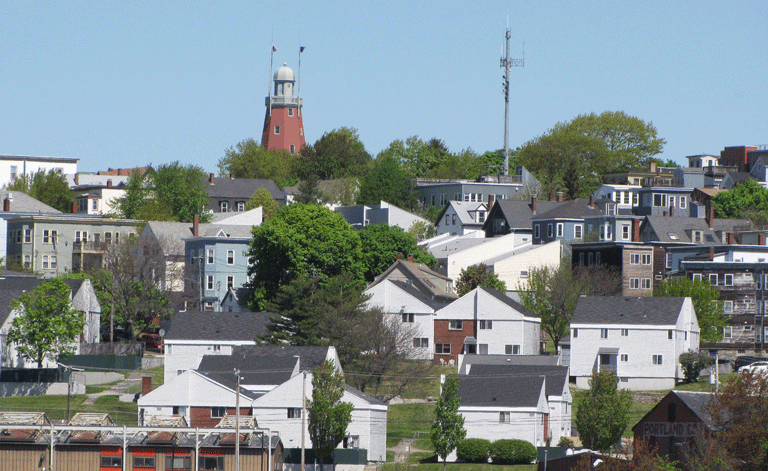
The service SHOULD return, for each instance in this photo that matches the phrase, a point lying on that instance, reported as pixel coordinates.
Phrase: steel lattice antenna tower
(506, 64)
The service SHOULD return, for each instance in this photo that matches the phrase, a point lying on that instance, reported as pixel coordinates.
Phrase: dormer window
(610, 209)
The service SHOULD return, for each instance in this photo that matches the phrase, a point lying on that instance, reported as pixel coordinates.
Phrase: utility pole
(507, 63)
(237, 421)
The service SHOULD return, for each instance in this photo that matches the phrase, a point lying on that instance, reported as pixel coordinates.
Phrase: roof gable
(627, 310)
(487, 303)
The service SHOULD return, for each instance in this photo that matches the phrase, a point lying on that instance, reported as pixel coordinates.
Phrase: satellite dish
(162, 332)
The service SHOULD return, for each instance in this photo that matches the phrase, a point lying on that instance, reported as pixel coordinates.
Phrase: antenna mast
(506, 64)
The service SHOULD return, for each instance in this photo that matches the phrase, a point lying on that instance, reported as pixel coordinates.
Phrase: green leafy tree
(341, 191)
(552, 293)
(137, 192)
(572, 156)
(328, 415)
(740, 415)
(46, 324)
(746, 197)
(386, 181)
(182, 188)
(709, 310)
(380, 245)
(478, 275)
(603, 413)
(248, 159)
(448, 428)
(338, 154)
(261, 198)
(421, 230)
(693, 362)
(301, 240)
(309, 191)
(49, 187)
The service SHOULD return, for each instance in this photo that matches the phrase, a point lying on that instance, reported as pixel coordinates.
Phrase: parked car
(152, 342)
(756, 367)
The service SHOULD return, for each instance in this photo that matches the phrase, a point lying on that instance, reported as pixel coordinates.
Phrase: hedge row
(504, 451)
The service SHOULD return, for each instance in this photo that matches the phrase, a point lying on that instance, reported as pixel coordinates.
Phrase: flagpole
(269, 94)
(301, 49)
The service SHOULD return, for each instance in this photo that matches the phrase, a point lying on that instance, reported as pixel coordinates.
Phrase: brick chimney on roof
(635, 230)
(592, 201)
(6, 204)
(77, 179)
(559, 196)
(491, 200)
(671, 211)
(551, 197)
(410, 257)
(711, 253)
(710, 215)
(196, 226)
(210, 179)
(109, 183)
(731, 238)
(533, 203)
(146, 385)
(761, 238)
(74, 207)
(231, 176)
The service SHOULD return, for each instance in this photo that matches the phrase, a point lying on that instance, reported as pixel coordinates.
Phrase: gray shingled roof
(241, 188)
(518, 213)
(172, 233)
(261, 364)
(218, 325)
(10, 290)
(418, 294)
(508, 301)
(507, 360)
(500, 391)
(696, 401)
(25, 204)
(574, 209)
(681, 227)
(627, 310)
(419, 274)
(557, 376)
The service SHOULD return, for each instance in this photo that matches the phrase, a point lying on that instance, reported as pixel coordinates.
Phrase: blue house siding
(564, 230)
(216, 262)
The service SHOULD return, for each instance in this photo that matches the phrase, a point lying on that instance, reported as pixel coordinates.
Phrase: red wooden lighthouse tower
(283, 125)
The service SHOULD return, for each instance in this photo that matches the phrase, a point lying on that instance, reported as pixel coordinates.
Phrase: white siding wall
(508, 270)
(472, 256)
(187, 355)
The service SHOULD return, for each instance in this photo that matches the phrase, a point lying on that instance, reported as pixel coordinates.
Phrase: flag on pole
(274, 48)
(301, 49)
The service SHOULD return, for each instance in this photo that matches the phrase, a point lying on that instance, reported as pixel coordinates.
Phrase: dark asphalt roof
(500, 391)
(508, 301)
(261, 364)
(218, 325)
(241, 188)
(525, 360)
(627, 310)
(557, 376)
(574, 209)
(696, 401)
(10, 290)
(518, 213)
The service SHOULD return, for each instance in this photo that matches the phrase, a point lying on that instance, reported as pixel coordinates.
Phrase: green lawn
(55, 407)
(404, 420)
(454, 466)
(158, 379)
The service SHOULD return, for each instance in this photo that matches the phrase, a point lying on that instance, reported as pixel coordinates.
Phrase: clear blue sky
(121, 84)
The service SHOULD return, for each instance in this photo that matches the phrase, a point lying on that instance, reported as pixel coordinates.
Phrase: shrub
(506, 451)
(565, 442)
(473, 450)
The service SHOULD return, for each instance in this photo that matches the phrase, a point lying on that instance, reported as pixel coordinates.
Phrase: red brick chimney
(664, 213)
(74, 207)
(551, 197)
(711, 253)
(559, 196)
(109, 183)
(491, 200)
(196, 225)
(399, 255)
(710, 215)
(635, 230)
(77, 179)
(6, 204)
(210, 180)
(761, 238)
(231, 176)
(731, 238)
(533, 203)
(592, 201)
(146, 385)
(410, 257)
(671, 211)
